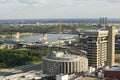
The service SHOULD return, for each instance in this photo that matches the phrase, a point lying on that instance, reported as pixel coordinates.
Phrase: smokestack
(103, 22)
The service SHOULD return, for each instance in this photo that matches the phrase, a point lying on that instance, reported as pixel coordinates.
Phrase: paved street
(20, 69)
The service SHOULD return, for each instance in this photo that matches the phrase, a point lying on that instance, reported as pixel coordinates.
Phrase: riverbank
(23, 34)
(13, 35)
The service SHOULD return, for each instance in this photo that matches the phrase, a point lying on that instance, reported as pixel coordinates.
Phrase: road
(20, 69)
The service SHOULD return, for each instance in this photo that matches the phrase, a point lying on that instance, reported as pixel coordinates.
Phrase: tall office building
(101, 47)
(97, 48)
(111, 46)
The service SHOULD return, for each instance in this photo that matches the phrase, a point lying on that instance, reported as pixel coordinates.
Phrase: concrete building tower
(17, 37)
(101, 47)
(97, 47)
(111, 46)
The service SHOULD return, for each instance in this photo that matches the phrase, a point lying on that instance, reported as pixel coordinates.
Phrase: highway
(21, 69)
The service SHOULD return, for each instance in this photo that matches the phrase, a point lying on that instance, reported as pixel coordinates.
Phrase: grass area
(13, 58)
(82, 27)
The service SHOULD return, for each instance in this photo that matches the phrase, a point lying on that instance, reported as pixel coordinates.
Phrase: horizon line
(53, 18)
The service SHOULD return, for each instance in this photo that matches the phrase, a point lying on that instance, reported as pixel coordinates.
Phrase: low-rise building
(112, 73)
(64, 63)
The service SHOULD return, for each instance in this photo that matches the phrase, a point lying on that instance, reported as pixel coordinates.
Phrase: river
(50, 37)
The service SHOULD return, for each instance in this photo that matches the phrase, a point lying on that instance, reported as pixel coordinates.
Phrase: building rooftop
(65, 56)
(114, 69)
(99, 30)
(95, 33)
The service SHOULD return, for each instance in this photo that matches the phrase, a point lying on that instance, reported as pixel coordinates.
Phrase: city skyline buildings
(97, 48)
(31, 9)
(101, 45)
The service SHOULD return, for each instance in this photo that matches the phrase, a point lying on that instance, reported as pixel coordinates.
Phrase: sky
(43, 9)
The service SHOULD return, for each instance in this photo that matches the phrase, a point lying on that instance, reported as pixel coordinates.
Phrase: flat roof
(66, 57)
(114, 69)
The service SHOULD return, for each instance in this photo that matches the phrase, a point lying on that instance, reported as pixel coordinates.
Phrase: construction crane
(60, 30)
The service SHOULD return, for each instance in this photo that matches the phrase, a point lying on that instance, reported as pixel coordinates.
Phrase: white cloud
(58, 8)
(57, 2)
(28, 2)
(33, 1)
(4, 1)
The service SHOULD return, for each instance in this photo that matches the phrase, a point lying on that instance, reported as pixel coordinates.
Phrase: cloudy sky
(19, 9)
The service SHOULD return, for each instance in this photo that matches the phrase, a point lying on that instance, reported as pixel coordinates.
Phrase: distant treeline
(65, 28)
(12, 58)
(64, 20)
